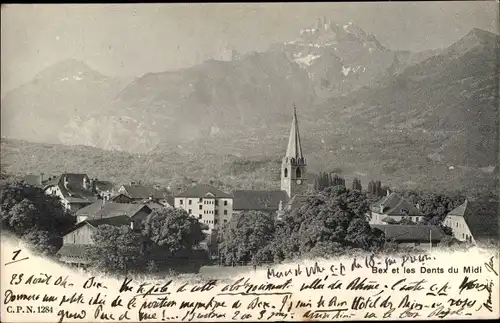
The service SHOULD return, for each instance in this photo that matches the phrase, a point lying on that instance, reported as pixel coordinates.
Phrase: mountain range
(362, 107)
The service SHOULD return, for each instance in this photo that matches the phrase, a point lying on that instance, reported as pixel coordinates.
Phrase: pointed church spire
(294, 149)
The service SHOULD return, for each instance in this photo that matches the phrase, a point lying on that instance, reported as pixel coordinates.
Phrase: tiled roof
(95, 222)
(111, 209)
(481, 218)
(417, 233)
(393, 204)
(121, 195)
(116, 220)
(258, 200)
(203, 190)
(73, 251)
(142, 192)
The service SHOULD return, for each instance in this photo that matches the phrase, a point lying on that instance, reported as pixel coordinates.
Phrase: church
(294, 185)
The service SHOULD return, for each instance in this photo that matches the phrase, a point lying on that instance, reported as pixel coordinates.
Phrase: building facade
(208, 204)
(393, 208)
(474, 221)
(74, 190)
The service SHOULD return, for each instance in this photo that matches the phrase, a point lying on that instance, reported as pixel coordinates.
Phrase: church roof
(294, 148)
(269, 201)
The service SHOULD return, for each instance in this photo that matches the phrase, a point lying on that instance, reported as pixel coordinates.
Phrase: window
(189, 202)
(225, 212)
(215, 221)
(200, 207)
(286, 172)
(181, 202)
(225, 203)
(201, 199)
(216, 212)
(216, 202)
(190, 211)
(200, 216)
(225, 221)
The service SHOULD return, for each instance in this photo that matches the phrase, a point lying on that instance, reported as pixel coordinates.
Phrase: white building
(208, 204)
(474, 221)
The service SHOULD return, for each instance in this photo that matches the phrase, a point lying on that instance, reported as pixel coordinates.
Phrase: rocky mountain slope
(70, 103)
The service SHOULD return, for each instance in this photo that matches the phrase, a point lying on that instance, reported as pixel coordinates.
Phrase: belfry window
(286, 172)
(298, 172)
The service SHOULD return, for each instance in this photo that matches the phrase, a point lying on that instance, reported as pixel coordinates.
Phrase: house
(207, 203)
(105, 189)
(121, 198)
(423, 236)
(74, 190)
(263, 201)
(293, 180)
(474, 221)
(77, 241)
(103, 209)
(140, 192)
(393, 208)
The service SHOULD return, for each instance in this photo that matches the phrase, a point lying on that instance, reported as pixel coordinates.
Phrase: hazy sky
(133, 39)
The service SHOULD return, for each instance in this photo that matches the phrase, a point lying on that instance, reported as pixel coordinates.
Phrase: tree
(172, 229)
(116, 248)
(246, 238)
(29, 213)
(333, 218)
(434, 206)
(356, 184)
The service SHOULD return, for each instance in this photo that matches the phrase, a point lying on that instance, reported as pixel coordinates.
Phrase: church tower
(293, 165)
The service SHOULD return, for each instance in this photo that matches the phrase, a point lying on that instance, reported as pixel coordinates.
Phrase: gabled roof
(142, 192)
(110, 209)
(258, 200)
(481, 218)
(117, 209)
(203, 190)
(104, 185)
(116, 221)
(410, 233)
(121, 195)
(393, 204)
(74, 191)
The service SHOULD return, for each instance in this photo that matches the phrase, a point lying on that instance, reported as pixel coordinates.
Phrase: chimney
(93, 185)
(65, 181)
(103, 202)
(418, 206)
(388, 192)
(41, 178)
(85, 183)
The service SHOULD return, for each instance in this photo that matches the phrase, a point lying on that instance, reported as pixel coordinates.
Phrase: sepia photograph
(250, 161)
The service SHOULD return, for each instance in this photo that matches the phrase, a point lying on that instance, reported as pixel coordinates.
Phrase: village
(94, 202)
